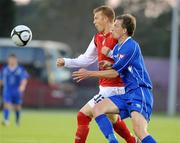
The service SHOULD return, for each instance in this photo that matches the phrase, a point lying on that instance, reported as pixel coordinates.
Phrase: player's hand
(105, 50)
(104, 65)
(80, 75)
(60, 62)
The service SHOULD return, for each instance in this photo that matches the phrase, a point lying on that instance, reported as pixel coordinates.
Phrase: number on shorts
(98, 98)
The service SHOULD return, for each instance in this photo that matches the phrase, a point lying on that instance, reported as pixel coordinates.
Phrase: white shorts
(105, 92)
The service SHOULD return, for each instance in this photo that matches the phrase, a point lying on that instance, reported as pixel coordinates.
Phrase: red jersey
(107, 40)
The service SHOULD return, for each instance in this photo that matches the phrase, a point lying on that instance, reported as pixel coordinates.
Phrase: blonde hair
(107, 11)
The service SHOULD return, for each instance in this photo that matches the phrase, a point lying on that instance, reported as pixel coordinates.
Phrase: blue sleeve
(126, 55)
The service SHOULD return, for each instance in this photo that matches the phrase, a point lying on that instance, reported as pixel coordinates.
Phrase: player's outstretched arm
(60, 62)
(84, 60)
(84, 74)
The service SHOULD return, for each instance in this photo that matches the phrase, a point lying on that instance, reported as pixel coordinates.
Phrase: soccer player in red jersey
(103, 20)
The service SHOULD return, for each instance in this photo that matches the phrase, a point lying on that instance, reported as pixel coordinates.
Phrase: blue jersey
(12, 79)
(130, 65)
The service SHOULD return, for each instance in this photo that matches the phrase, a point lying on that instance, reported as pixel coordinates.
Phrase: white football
(21, 35)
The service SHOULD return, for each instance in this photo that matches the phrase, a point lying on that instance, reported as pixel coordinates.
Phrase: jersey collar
(125, 40)
(120, 45)
(12, 69)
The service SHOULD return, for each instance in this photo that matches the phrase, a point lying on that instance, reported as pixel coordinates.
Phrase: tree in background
(72, 22)
(153, 24)
(7, 17)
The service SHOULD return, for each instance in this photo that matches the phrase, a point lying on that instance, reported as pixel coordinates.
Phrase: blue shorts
(12, 98)
(140, 100)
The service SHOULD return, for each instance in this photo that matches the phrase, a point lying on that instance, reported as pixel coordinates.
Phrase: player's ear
(106, 18)
(124, 30)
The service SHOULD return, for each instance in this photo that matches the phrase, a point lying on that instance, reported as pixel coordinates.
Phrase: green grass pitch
(59, 127)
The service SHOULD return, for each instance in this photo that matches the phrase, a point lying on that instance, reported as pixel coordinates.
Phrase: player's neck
(107, 29)
(122, 39)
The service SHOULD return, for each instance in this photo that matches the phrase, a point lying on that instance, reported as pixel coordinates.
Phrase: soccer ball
(21, 35)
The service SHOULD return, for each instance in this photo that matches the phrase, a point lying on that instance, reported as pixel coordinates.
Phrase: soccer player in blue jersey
(13, 77)
(129, 64)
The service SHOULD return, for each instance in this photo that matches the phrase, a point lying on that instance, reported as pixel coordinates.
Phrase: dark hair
(12, 55)
(107, 11)
(129, 22)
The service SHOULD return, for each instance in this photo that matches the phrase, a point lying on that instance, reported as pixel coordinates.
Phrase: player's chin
(99, 29)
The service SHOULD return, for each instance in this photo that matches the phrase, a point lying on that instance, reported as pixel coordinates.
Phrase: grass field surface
(60, 126)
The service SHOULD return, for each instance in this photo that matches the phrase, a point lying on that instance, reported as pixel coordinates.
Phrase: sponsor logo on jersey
(138, 105)
(121, 56)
